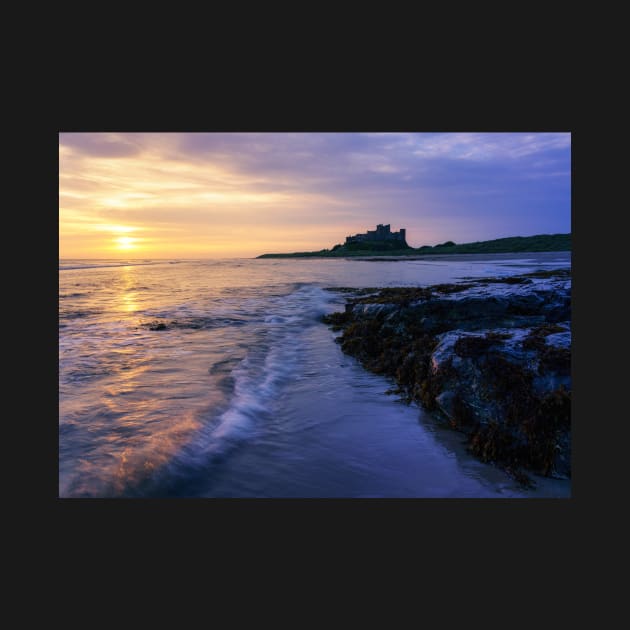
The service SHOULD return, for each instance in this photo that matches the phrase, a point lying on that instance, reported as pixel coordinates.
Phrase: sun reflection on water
(128, 296)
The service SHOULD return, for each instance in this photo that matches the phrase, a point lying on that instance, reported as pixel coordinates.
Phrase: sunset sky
(212, 195)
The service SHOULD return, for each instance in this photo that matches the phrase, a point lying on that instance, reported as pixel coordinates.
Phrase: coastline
(488, 357)
(479, 257)
(510, 245)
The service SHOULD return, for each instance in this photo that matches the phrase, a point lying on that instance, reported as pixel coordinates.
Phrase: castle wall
(382, 233)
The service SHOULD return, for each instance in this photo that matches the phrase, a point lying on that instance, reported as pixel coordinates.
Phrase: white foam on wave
(259, 377)
(279, 319)
(256, 383)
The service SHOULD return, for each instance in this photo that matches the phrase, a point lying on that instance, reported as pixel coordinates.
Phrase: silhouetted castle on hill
(382, 233)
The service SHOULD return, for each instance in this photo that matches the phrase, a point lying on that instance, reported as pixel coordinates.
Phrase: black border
(453, 522)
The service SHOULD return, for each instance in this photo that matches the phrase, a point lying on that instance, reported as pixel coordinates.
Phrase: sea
(217, 379)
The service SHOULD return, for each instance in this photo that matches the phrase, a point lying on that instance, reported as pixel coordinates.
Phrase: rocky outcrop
(490, 357)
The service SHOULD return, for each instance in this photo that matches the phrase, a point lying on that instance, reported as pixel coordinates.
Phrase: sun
(125, 242)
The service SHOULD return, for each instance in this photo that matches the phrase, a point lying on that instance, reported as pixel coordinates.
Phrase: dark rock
(493, 360)
(160, 326)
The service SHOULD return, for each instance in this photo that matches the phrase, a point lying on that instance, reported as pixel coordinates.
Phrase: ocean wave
(71, 295)
(105, 265)
(192, 323)
(256, 383)
(252, 384)
(258, 377)
(77, 314)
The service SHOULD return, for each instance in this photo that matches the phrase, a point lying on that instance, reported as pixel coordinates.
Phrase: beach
(219, 378)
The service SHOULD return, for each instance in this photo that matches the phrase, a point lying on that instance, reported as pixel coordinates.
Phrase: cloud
(107, 145)
(437, 185)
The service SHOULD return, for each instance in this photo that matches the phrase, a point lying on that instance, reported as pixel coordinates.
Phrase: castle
(382, 233)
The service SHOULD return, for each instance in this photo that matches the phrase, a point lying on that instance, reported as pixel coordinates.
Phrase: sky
(218, 195)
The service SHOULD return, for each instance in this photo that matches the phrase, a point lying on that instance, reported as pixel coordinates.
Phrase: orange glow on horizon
(157, 204)
(120, 196)
(215, 194)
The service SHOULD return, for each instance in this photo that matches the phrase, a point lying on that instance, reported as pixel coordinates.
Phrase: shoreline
(481, 256)
(488, 357)
(463, 257)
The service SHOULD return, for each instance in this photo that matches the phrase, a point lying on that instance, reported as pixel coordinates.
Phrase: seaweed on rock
(483, 384)
(476, 345)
